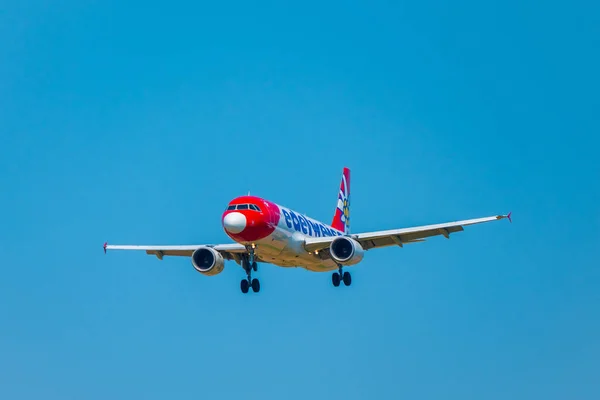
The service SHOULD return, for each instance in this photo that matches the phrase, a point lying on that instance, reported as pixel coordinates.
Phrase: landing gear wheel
(335, 279)
(255, 266)
(255, 285)
(244, 285)
(347, 278)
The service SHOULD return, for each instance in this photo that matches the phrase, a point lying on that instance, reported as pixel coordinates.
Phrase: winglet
(505, 216)
(104, 247)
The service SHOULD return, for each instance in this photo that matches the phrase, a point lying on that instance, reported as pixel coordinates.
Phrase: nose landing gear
(249, 264)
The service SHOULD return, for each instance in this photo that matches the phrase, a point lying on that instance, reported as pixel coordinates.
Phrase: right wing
(228, 251)
(399, 237)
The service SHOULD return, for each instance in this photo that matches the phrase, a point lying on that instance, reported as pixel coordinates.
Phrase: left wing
(228, 251)
(399, 237)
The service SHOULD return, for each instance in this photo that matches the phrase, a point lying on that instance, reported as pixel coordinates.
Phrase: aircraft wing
(228, 251)
(399, 237)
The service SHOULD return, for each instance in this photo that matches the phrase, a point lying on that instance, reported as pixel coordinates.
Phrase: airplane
(269, 233)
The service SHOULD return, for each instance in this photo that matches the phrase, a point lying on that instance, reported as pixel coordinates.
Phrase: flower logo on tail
(344, 203)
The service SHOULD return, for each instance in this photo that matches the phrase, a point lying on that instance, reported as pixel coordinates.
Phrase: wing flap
(161, 253)
(386, 242)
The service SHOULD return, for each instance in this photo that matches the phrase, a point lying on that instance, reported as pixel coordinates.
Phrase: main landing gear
(345, 276)
(249, 264)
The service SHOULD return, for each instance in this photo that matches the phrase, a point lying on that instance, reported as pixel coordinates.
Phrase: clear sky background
(136, 122)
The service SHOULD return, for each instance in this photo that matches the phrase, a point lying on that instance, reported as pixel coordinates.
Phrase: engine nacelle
(208, 261)
(346, 251)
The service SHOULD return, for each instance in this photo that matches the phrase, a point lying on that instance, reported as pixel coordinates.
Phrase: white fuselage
(284, 247)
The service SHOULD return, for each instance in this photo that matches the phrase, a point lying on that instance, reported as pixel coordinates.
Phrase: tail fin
(341, 219)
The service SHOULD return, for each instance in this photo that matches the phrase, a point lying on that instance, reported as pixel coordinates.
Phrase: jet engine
(208, 261)
(346, 251)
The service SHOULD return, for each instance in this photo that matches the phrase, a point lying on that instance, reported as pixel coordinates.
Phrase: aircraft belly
(284, 249)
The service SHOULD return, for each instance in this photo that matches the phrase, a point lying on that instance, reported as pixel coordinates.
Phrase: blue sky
(136, 122)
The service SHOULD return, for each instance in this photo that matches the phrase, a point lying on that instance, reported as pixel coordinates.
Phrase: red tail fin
(341, 219)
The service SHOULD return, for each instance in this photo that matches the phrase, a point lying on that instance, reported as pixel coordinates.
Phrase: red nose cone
(249, 219)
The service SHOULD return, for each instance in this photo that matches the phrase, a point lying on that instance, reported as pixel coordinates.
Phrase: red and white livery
(267, 232)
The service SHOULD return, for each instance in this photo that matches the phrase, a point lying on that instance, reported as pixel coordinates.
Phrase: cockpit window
(243, 207)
